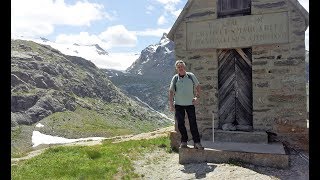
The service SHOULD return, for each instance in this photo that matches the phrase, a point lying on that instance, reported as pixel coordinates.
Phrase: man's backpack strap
(190, 77)
(175, 81)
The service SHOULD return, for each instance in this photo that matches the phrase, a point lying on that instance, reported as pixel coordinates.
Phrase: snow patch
(153, 47)
(148, 59)
(39, 125)
(39, 138)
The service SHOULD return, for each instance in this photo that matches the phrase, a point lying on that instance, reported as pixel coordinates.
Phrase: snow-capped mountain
(74, 49)
(156, 59)
(93, 52)
(148, 78)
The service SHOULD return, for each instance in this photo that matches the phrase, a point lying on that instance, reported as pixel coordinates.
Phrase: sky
(121, 27)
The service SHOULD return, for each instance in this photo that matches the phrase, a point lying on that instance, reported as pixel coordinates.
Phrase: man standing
(182, 90)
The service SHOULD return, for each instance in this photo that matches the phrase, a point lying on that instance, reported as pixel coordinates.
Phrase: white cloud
(305, 4)
(83, 38)
(177, 12)
(149, 8)
(153, 32)
(162, 20)
(114, 36)
(38, 17)
(169, 1)
(119, 36)
(169, 8)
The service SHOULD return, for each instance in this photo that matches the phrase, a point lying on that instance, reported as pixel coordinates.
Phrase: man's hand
(171, 94)
(172, 108)
(195, 101)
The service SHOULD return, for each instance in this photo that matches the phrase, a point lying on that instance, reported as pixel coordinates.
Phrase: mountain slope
(155, 60)
(148, 78)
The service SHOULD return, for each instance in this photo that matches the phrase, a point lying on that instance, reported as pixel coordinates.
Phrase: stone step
(241, 136)
(269, 155)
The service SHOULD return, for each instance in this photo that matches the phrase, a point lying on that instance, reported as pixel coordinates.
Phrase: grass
(21, 140)
(106, 161)
(102, 120)
(110, 120)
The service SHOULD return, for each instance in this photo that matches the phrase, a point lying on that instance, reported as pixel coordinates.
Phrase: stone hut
(249, 57)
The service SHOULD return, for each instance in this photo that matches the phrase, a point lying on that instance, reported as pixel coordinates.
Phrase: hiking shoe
(183, 145)
(198, 146)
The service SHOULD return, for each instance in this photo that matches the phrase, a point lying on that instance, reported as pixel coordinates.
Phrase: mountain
(70, 96)
(39, 71)
(100, 50)
(74, 49)
(148, 78)
(155, 60)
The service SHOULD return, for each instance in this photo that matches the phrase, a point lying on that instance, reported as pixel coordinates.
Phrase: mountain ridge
(148, 78)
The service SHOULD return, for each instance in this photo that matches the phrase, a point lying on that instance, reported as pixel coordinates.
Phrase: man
(182, 89)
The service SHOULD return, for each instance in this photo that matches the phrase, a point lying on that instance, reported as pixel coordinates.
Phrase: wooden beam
(244, 56)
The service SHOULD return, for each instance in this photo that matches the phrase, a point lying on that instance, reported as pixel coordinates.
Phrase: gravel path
(161, 165)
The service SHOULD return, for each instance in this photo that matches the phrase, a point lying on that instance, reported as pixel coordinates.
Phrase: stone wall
(279, 82)
(278, 75)
(204, 64)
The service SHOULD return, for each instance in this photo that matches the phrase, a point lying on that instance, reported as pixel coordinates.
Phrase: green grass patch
(106, 161)
(21, 140)
(109, 119)
(103, 120)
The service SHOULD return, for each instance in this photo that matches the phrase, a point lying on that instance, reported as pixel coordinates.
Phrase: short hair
(180, 62)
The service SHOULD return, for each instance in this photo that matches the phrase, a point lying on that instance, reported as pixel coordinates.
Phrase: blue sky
(118, 26)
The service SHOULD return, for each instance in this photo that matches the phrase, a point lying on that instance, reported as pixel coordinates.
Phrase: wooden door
(235, 89)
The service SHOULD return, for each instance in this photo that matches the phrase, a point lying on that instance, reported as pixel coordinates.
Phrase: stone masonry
(278, 72)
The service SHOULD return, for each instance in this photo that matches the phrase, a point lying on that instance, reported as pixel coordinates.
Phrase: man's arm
(198, 90)
(171, 106)
(197, 95)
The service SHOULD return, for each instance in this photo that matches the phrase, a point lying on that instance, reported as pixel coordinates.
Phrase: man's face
(180, 68)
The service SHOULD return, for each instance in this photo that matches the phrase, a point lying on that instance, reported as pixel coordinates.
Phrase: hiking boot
(183, 145)
(198, 146)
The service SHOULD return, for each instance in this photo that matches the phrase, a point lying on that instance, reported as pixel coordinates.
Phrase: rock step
(268, 155)
(241, 136)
